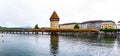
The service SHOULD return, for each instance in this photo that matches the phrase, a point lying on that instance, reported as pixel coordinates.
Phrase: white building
(82, 25)
(118, 25)
(67, 26)
(91, 24)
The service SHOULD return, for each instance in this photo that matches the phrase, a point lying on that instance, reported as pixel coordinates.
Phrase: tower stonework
(54, 21)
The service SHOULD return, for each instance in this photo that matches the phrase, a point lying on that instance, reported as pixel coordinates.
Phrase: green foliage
(36, 26)
(109, 30)
(76, 26)
(108, 38)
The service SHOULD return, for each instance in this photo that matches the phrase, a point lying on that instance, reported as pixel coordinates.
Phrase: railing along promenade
(46, 30)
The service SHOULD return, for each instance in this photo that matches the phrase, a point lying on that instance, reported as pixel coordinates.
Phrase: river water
(56, 45)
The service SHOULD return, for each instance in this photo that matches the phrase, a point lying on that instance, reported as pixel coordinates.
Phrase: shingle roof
(54, 16)
(68, 23)
(94, 21)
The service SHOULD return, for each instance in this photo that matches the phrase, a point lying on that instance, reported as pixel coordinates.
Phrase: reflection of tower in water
(36, 39)
(54, 44)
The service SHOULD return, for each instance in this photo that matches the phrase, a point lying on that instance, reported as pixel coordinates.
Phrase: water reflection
(42, 45)
(106, 39)
(115, 47)
(36, 38)
(54, 39)
(2, 38)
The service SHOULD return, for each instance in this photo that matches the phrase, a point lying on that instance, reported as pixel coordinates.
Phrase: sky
(16, 13)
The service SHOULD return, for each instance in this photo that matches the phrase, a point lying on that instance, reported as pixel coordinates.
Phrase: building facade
(82, 25)
(67, 26)
(108, 25)
(98, 24)
(54, 21)
(91, 24)
(118, 25)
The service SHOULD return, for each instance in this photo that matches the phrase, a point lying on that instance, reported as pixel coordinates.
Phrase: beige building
(67, 26)
(108, 25)
(54, 21)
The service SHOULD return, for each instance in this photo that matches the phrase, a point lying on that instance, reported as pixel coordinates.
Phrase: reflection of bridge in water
(42, 31)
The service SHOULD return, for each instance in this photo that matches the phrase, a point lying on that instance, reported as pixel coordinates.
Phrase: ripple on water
(46, 45)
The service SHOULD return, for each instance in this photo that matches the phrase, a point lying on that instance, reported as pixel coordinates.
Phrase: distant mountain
(19, 27)
(23, 27)
(26, 27)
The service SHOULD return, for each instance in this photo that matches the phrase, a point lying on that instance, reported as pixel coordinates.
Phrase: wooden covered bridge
(42, 31)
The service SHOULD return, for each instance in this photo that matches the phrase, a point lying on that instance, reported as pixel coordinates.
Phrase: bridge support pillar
(54, 32)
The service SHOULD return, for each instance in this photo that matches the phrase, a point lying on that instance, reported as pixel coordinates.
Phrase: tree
(76, 26)
(109, 30)
(36, 26)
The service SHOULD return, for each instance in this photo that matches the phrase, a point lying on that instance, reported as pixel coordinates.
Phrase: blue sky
(15, 13)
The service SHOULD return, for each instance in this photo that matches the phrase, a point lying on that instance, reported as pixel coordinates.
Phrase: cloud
(31, 12)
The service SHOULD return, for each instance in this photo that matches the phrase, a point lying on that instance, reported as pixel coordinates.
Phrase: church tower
(54, 21)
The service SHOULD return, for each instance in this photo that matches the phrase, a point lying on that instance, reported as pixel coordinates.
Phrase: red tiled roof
(54, 16)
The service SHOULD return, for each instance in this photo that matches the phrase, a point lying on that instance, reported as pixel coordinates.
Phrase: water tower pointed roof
(54, 16)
